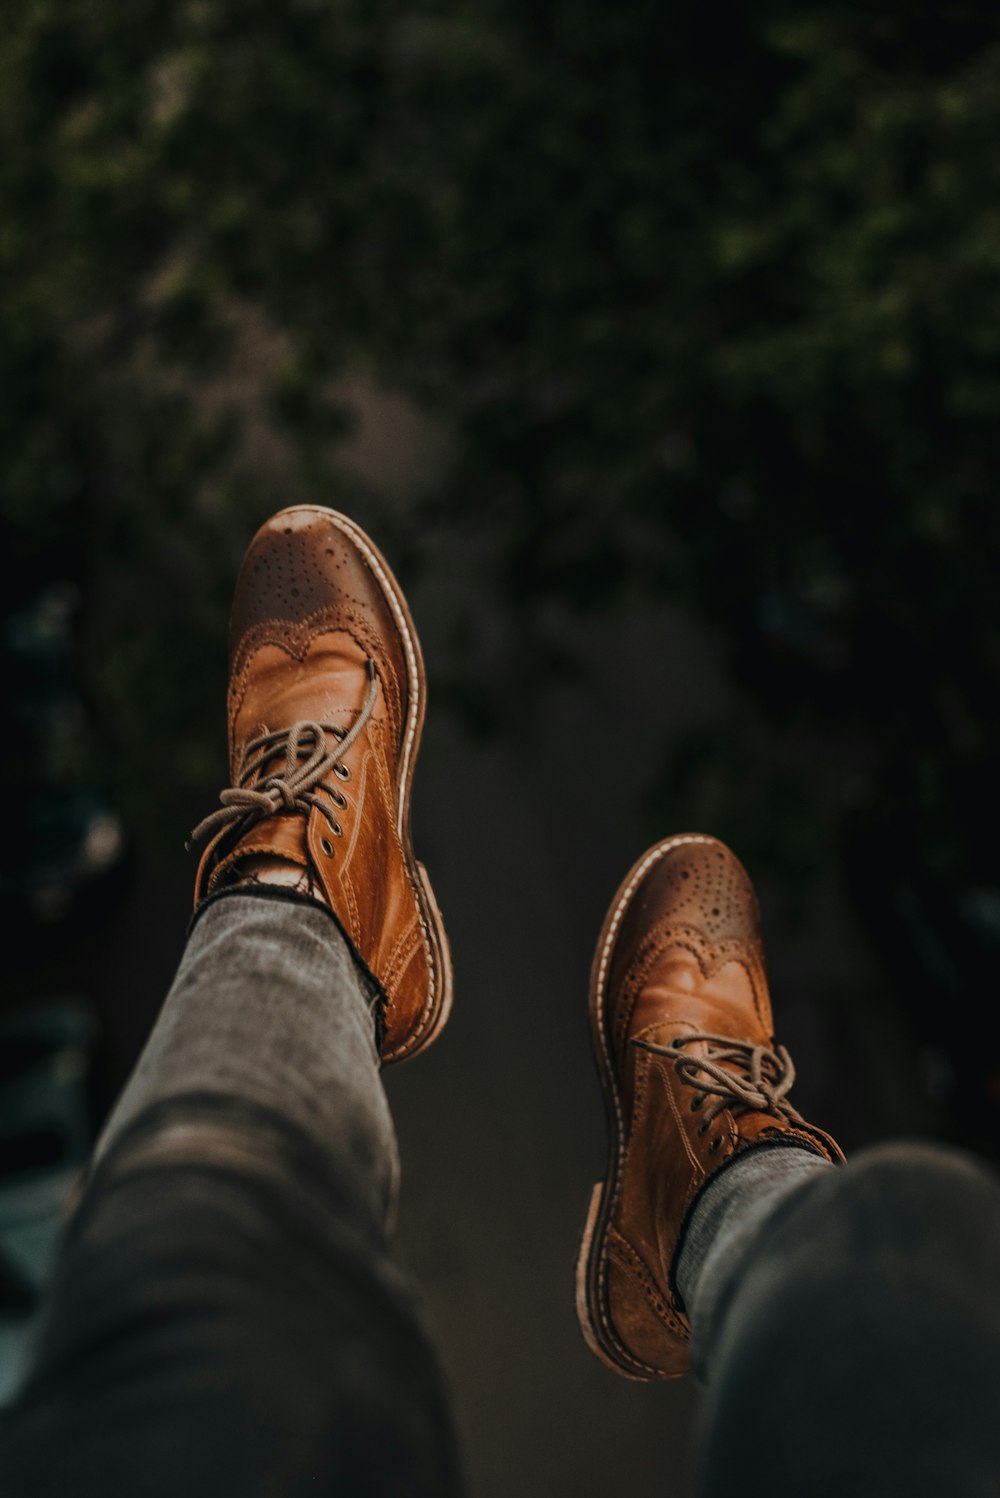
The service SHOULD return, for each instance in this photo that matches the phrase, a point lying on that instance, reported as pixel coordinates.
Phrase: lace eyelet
(327, 846)
(716, 1142)
(704, 1127)
(342, 771)
(696, 1102)
(339, 800)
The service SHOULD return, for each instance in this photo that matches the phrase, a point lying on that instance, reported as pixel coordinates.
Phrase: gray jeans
(227, 1318)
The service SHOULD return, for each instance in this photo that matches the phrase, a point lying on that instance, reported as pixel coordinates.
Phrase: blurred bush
(709, 304)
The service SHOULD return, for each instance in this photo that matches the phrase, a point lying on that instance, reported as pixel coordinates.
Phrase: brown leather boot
(682, 1031)
(326, 703)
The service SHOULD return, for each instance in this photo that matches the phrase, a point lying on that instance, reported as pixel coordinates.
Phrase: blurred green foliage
(710, 303)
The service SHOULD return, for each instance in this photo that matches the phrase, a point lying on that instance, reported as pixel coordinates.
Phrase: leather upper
(686, 959)
(314, 604)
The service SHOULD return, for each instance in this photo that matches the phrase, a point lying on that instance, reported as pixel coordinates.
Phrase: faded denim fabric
(226, 1318)
(846, 1323)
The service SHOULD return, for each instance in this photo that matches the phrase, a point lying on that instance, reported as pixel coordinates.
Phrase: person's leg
(684, 1042)
(226, 1317)
(847, 1324)
(846, 1317)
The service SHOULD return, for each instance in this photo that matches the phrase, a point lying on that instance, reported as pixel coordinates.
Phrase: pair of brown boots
(326, 704)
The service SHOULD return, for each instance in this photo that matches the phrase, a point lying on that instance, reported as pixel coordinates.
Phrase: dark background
(657, 347)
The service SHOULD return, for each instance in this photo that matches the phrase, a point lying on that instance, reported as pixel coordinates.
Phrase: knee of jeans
(872, 1293)
(916, 1190)
(901, 1227)
(258, 1150)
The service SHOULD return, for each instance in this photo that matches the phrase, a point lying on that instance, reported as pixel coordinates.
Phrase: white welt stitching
(359, 807)
(359, 538)
(356, 534)
(641, 869)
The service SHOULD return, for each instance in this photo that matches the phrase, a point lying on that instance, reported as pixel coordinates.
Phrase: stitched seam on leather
(350, 901)
(688, 1148)
(765, 1020)
(382, 775)
(647, 958)
(409, 645)
(359, 803)
(352, 616)
(403, 951)
(709, 955)
(630, 994)
(666, 934)
(646, 1068)
(638, 873)
(643, 1067)
(329, 620)
(392, 595)
(297, 636)
(435, 977)
(411, 651)
(411, 929)
(620, 1250)
(812, 1136)
(385, 786)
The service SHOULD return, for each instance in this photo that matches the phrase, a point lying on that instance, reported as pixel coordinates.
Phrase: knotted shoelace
(293, 788)
(760, 1084)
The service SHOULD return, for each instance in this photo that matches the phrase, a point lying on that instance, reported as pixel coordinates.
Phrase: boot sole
(438, 1007)
(592, 1308)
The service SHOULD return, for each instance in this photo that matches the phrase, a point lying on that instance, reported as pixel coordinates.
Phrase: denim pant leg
(851, 1343)
(226, 1316)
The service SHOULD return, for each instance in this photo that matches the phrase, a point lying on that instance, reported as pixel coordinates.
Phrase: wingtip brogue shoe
(327, 695)
(691, 1075)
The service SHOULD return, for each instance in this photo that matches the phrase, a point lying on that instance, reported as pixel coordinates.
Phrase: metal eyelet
(697, 1101)
(338, 799)
(704, 1127)
(327, 846)
(342, 771)
(715, 1144)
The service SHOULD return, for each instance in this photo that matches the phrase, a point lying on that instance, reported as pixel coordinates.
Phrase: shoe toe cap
(309, 570)
(692, 881)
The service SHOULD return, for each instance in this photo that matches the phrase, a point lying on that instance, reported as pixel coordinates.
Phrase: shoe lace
(760, 1085)
(294, 788)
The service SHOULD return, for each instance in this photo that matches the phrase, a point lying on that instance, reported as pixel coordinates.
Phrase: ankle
(264, 869)
(730, 1213)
